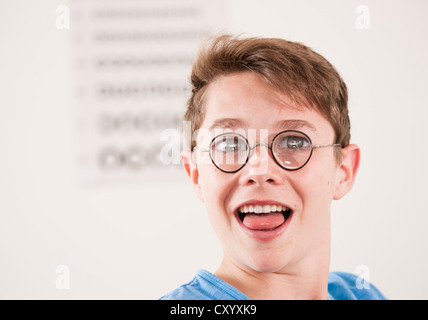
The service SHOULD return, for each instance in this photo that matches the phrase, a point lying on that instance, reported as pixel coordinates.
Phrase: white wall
(140, 238)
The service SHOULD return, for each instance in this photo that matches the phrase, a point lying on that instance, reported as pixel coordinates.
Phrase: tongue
(263, 221)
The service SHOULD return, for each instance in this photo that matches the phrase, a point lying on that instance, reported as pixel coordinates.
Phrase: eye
(294, 142)
(229, 144)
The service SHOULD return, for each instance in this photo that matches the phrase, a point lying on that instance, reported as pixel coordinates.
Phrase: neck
(306, 279)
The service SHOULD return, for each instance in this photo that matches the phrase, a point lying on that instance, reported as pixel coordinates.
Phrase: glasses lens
(229, 152)
(292, 149)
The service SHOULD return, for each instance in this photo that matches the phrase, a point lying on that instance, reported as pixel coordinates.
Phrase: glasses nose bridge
(257, 144)
(260, 144)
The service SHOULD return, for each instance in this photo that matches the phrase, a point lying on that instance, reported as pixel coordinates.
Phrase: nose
(259, 158)
(261, 167)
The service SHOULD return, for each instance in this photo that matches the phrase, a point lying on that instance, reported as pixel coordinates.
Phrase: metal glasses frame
(251, 148)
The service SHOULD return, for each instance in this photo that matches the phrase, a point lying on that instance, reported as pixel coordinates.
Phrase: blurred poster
(132, 62)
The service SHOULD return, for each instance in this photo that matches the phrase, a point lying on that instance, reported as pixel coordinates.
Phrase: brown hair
(306, 77)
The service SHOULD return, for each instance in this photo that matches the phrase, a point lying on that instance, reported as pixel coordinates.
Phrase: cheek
(316, 185)
(217, 189)
(215, 186)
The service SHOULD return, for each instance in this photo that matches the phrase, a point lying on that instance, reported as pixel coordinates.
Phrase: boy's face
(255, 107)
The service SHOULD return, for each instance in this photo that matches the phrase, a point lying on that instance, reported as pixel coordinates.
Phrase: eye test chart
(132, 64)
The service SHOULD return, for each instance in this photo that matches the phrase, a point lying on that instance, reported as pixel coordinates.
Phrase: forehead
(244, 101)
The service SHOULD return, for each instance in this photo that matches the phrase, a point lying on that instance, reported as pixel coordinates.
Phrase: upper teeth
(262, 209)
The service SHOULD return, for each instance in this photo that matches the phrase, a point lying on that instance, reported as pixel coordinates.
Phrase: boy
(270, 151)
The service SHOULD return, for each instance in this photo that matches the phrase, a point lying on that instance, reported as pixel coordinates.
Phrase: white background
(141, 239)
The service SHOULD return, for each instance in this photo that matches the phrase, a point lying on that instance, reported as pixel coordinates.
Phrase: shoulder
(205, 286)
(347, 286)
(189, 291)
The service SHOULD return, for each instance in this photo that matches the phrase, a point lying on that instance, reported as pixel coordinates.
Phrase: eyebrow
(295, 124)
(292, 124)
(227, 123)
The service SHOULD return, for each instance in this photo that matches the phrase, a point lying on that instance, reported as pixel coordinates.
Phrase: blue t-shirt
(206, 286)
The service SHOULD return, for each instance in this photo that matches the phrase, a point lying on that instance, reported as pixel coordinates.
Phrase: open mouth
(263, 217)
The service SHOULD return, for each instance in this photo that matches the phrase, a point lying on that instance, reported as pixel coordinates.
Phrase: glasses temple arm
(327, 145)
(200, 149)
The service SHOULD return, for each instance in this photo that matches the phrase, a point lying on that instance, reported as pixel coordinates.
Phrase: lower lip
(266, 235)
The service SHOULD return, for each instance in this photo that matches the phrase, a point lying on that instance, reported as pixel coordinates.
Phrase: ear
(347, 170)
(192, 171)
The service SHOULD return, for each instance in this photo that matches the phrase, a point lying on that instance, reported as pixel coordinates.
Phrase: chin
(265, 268)
(267, 262)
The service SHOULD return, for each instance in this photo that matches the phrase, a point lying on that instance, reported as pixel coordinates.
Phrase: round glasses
(290, 149)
